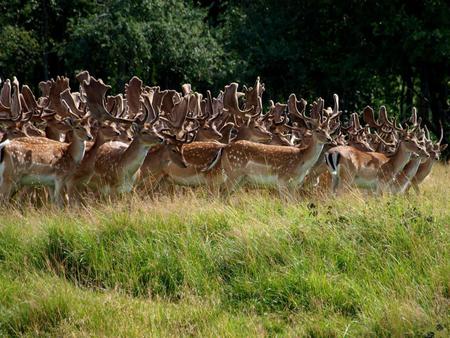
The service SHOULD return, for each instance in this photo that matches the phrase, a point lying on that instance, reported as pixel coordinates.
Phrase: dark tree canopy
(392, 52)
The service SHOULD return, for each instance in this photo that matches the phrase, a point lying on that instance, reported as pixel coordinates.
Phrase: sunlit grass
(192, 264)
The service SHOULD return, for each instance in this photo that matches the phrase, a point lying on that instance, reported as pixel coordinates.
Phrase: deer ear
(443, 147)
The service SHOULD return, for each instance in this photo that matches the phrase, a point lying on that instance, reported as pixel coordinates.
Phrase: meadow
(188, 264)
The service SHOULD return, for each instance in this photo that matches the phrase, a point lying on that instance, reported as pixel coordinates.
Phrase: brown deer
(85, 170)
(31, 161)
(375, 170)
(424, 168)
(282, 166)
(117, 164)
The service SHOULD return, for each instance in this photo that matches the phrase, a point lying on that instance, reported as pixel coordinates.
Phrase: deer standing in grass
(85, 170)
(117, 164)
(424, 168)
(282, 166)
(374, 170)
(165, 161)
(29, 161)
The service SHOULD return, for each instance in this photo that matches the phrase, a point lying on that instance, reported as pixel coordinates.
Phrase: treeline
(370, 52)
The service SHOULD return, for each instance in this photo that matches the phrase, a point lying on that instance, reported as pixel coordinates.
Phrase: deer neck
(134, 155)
(155, 164)
(77, 149)
(399, 159)
(411, 167)
(428, 163)
(312, 151)
(309, 156)
(425, 168)
(89, 158)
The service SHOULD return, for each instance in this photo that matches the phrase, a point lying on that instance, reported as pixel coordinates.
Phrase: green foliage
(20, 50)
(163, 42)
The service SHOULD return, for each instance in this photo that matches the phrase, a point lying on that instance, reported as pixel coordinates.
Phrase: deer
(424, 168)
(282, 166)
(52, 110)
(355, 136)
(104, 132)
(29, 161)
(165, 160)
(403, 179)
(117, 164)
(375, 170)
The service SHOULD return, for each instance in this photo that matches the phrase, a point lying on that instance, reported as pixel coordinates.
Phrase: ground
(189, 264)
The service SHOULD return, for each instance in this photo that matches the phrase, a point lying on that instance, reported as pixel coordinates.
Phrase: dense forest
(388, 52)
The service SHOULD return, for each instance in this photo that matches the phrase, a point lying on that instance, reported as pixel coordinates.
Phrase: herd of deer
(72, 142)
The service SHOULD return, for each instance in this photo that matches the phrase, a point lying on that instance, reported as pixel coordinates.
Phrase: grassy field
(253, 266)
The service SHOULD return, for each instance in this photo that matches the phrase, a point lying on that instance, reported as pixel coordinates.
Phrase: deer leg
(286, 191)
(336, 180)
(335, 183)
(345, 179)
(416, 188)
(6, 191)
(230, 185)
(72, 193)
(56, 195)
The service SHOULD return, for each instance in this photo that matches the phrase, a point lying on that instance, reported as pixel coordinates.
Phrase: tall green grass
(190, 264)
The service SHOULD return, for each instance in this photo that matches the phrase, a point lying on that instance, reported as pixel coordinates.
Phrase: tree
(163, 42)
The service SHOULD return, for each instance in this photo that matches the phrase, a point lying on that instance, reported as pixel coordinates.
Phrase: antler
(336, 111)
(384, 142)
(158, 97)
(152, 114)
(68, 99)
(168, 103)
(95, 92)
(355, 125)
(5, 95)
(293, 108)
(15, 112)
(230, 102)
(115, 105)
(133, 91)
(278, 112)
(16, 105)
(177, 115)
(316, 109)
(384, 117)
(413, 118)
(54, 98)
(442, 133)
(369, 118)
(253, 96)
(186, 89)
(195, 104)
